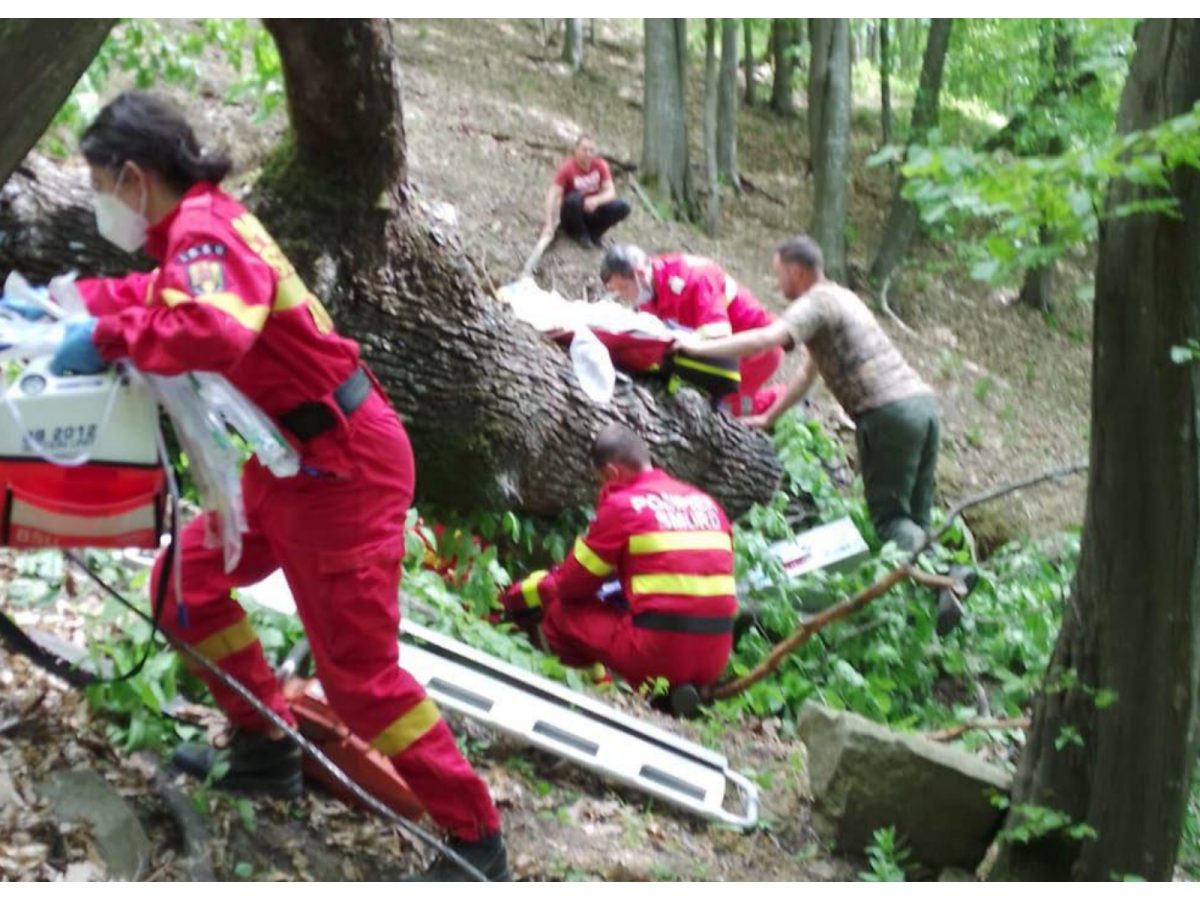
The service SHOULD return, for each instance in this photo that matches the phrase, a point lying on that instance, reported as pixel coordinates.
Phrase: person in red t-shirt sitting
(583, 197)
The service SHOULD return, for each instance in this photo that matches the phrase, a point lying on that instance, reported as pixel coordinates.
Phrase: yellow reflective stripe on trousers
(529, 589)
(714, 330)
(407, 729)
(590, 561)
(683, 585)
(248, 315)
(227, 641)
(686, 362)
(662, 541)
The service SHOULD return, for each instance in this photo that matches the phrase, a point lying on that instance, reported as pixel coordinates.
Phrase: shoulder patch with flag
(206, 277)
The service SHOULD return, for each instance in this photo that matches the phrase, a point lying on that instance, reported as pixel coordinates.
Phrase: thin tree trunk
(591, 32)
(781, 47)
(40, 61)
(727, 104)
(748, 63)
(665, 167)
(832, 156)
(573, 44)
(1037, 288)
(885, 82)
(818, 76)
(903, 219)
(712, 208)
(1122, 765)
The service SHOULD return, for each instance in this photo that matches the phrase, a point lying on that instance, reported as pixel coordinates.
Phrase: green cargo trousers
(897, 453)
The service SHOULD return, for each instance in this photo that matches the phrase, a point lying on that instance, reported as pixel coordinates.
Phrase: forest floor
(489, 114)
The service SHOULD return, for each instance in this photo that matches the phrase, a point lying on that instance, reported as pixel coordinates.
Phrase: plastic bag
(593, 366)
(255, 427)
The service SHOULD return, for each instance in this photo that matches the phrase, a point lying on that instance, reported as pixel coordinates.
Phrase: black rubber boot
(487, 855)
(258, 764)
(949, 602)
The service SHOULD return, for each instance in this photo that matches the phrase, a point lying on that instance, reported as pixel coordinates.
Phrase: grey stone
(85, 796)
(865, 776)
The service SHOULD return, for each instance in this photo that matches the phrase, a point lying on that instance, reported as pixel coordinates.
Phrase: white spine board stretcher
(552, 717)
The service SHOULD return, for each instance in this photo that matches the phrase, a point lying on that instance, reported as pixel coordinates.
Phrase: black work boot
(486, 854)
(949, 602)
(258, 764)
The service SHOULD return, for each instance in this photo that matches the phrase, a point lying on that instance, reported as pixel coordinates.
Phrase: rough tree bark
(60, 51)
(885, 82)
(1132, 625)
(494, 411)
(573, 44)
(665, 166)
(903, 218)
(712, 206)
(748, 63)
(785, 66)
(831, 152)
(727, 101)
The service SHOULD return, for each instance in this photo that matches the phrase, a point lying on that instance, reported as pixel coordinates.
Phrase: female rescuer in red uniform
(224, 298)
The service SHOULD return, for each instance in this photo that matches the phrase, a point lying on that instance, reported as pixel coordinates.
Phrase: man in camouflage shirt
(894, 411)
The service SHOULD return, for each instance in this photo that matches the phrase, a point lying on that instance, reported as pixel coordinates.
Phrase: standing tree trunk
(727, 101)
(785, 64)
(831, 152)
(62, 48)
(712, 208)
(748, 63)
(903, 218)
(573, 44)
(818, 69)
(664, 132)
(1037, 289)
(1132, 626)
(885, 82)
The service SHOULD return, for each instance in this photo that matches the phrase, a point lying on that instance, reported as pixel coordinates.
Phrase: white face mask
(119, 224)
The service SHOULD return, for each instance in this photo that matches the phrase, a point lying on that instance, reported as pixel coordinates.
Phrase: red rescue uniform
(225, 299)
(671, 547)
(695, 292)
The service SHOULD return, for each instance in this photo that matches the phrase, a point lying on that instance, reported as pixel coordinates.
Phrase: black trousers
(576, 223)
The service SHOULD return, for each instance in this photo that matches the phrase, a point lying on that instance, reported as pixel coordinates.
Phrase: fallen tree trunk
(495, 413)
(47, 225)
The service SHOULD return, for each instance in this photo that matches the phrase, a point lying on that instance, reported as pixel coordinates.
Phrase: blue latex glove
(29, 311)
(77, 353)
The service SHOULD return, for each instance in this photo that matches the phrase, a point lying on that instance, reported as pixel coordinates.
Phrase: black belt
(684, 624)
(308, 420)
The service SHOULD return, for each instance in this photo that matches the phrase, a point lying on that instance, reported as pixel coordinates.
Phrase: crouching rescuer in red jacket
(649, 590)
(225, 299)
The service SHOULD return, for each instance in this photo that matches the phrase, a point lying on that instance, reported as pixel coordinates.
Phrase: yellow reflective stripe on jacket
(529, 588)
(251, 316)
(407, 729)
(715, 330)
(590, 561)
(227, 641)
(683, 585)
(662, 541)
(686, 362)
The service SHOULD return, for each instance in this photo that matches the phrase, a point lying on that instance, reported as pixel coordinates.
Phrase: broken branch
(949, 734)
